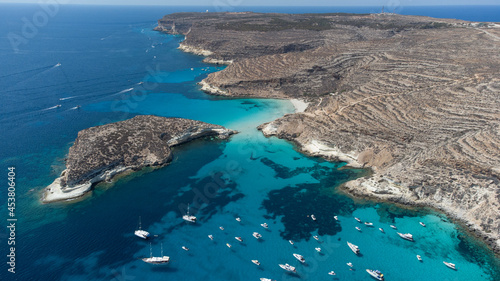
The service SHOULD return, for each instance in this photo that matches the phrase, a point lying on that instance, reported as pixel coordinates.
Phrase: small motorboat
(58, 106)
(357, 219)
(140, 232)
(316, 237)
(221, 228)
(299, 258)
(419, 258)
(422, 224)
(349, 264)
(336, 218)
(450, 265)
(318, 249)
(393, 227)
(376, 274)
(313, 217)
(353, 247)
(238, 219)
(406, 236)
(257, 235)
(290, 241)
(265, 279)
(288, 267)
(238, 238)
(358, 229)
(381, 230)
(211, 237)
(185, 248)
(331, 273)
(368, 224)
(264, 225)
(256, 262)
(228, 245)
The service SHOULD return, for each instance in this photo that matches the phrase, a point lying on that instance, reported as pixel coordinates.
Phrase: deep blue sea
(110, 62)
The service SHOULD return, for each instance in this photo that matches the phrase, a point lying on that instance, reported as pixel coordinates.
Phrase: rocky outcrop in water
(101, 152)
(416, 99)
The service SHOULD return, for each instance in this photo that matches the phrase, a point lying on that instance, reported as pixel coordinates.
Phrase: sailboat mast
(140, 223)
(161, 249)
(150, 250)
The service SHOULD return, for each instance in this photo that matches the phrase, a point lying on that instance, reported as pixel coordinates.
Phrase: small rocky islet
(101, 152)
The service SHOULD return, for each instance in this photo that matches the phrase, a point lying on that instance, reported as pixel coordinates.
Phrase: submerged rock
(101, 152)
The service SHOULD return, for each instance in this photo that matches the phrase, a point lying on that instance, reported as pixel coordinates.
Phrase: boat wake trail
(124, 91)
(67, 98)
(53, 107)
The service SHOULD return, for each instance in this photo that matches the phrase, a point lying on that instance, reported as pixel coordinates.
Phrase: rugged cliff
(101, 152)
(416, 99)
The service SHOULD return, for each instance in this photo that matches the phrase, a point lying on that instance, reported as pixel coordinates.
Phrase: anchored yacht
(299, 258)
(376, 274)
(353, 247)
(406, 236)
(288, 267)
(156, 260)
(141, 233)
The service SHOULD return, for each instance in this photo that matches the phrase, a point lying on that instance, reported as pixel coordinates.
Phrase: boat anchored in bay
(288, 267)
(299, 258)
(141, 233)
(156, 260)
(450, 265)
(353, 247)
(406, 236)
(188, 217)
(376, 274)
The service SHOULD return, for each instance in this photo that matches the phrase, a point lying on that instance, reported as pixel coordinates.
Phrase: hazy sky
(269, 2)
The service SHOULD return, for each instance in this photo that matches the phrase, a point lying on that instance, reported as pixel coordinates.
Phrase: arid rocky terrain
(416, 99)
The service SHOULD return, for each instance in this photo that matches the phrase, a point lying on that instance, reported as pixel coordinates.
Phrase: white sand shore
(300, 105)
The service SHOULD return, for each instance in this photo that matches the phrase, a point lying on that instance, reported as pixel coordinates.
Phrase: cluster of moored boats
(406, 236)
(287, 267)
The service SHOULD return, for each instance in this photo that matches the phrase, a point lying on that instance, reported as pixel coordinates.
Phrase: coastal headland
(101, 152)
(416, 99)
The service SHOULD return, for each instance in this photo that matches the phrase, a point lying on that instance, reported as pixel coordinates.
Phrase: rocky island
(416, 99)
(101, 152)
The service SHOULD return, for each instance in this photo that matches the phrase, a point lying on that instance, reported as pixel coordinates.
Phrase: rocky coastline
(415, 99)
(102, 152)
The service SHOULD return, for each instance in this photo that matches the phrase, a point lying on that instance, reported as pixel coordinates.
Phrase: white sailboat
(188, 217)
(156, 260)
(141, 233)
